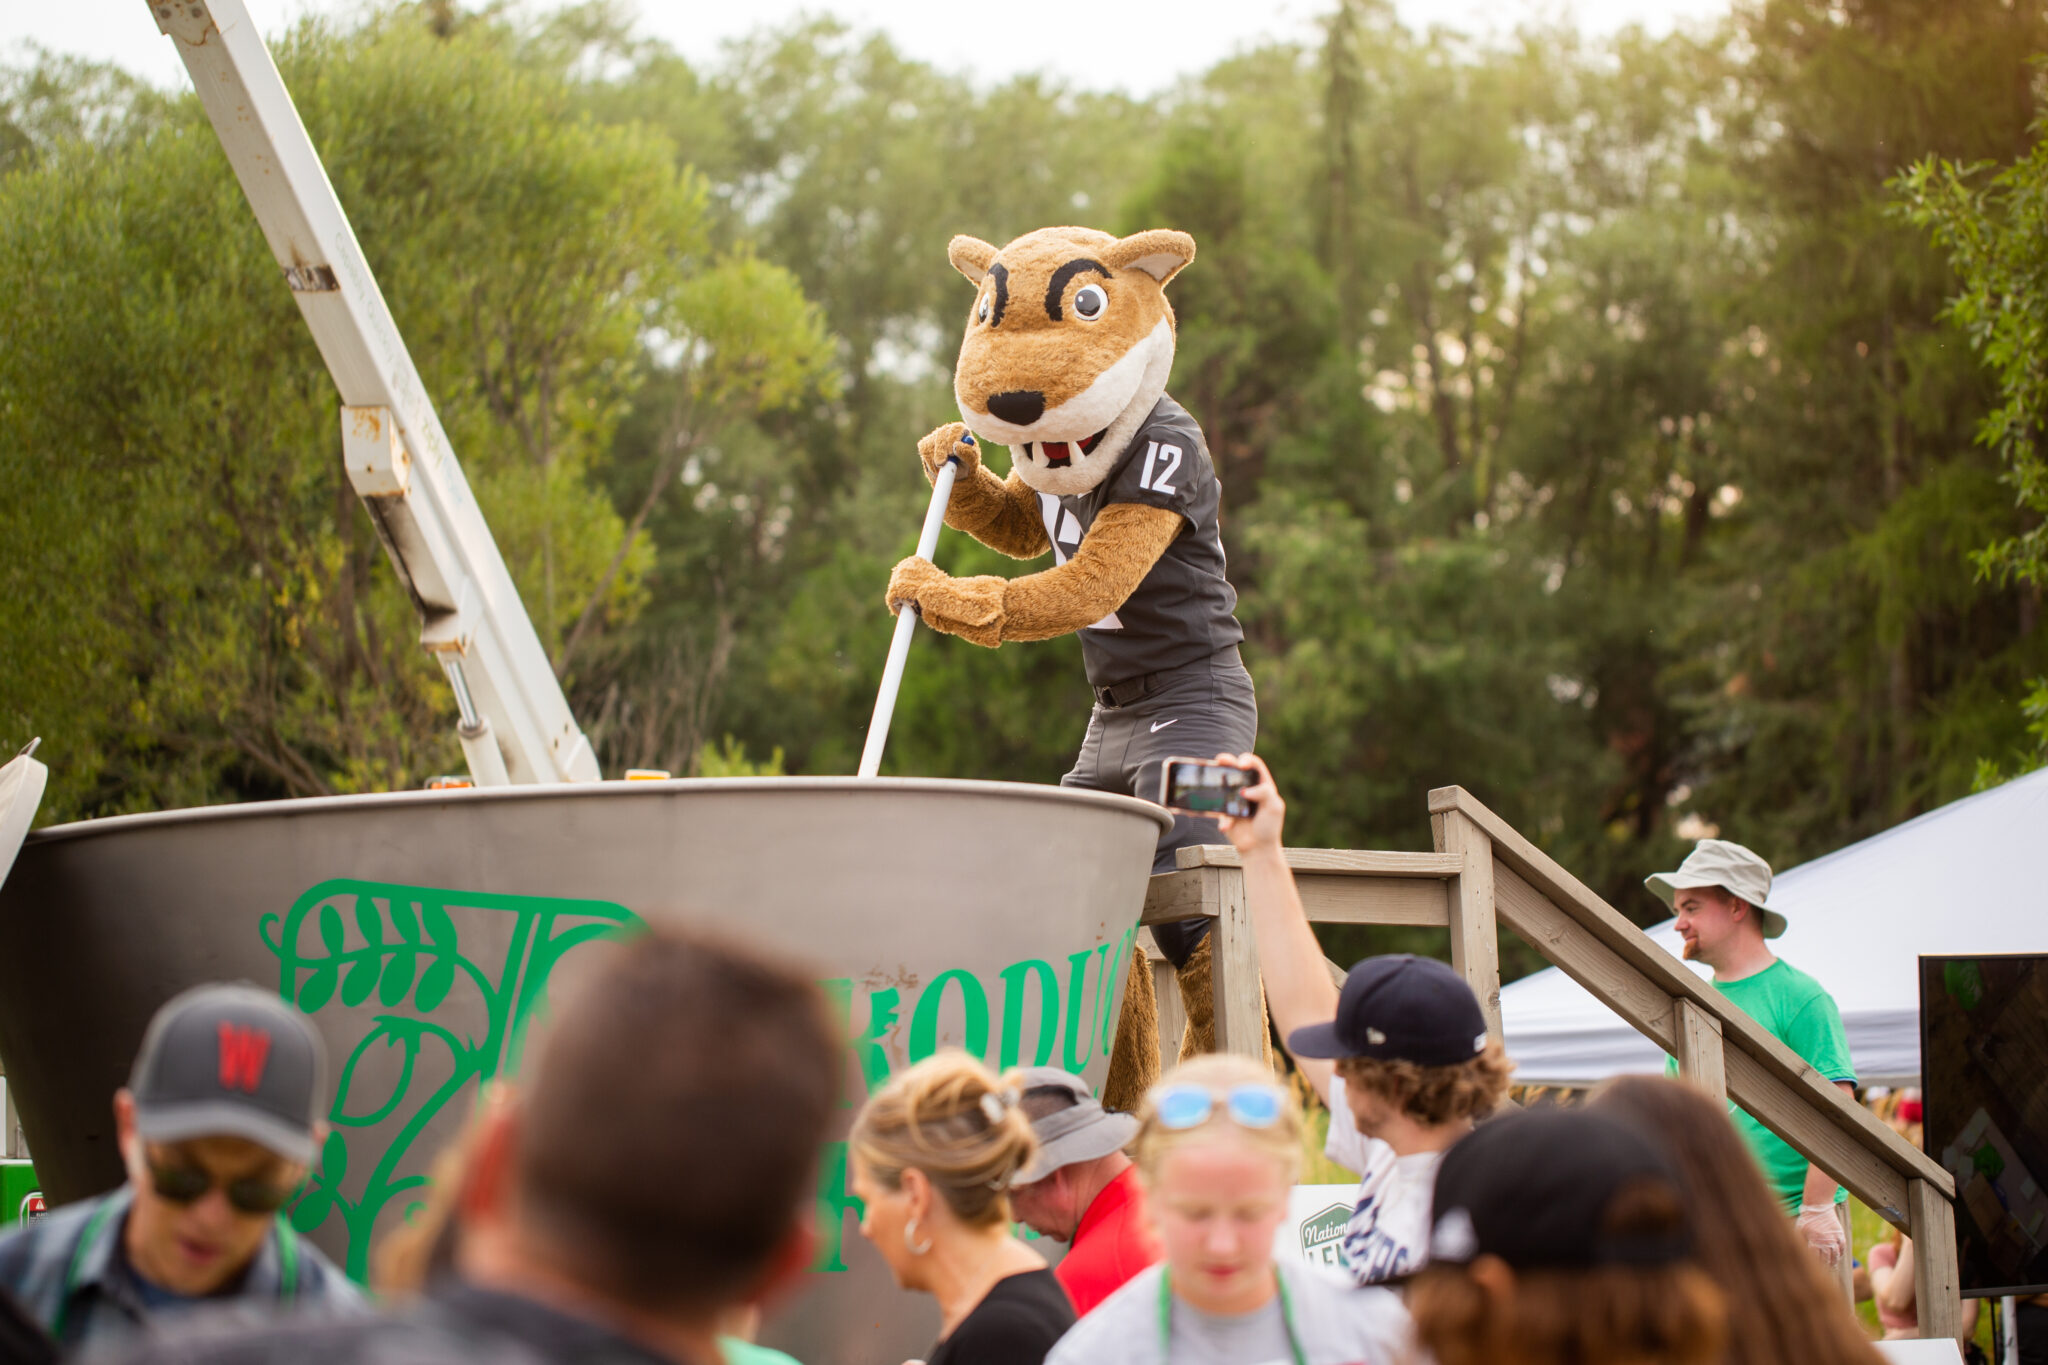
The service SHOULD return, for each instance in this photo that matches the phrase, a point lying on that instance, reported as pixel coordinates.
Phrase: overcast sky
(1139, 46)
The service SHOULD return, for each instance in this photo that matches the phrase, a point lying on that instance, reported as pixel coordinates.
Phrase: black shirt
(1016, 1323)
(1184, 609)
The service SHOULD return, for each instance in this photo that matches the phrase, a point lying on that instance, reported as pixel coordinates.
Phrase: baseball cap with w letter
(230, 1061)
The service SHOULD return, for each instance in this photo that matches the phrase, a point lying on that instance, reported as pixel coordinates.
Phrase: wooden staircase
(1484, 874)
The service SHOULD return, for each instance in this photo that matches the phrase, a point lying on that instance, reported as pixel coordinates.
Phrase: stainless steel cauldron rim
(848, 787)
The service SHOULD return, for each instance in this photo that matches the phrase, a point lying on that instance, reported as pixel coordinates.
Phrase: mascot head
(1068, 346)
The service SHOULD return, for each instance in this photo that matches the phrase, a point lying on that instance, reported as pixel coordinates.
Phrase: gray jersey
(1184, 609)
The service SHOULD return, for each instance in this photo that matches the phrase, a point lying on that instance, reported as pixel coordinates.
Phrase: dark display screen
(1984, 1082)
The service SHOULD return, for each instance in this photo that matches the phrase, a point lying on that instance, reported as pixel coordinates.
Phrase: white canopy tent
(1966, 878)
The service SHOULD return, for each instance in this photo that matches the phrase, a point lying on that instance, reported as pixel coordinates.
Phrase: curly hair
(1434, 1094)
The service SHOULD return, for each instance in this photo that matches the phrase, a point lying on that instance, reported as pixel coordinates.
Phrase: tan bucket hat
(1733, 868)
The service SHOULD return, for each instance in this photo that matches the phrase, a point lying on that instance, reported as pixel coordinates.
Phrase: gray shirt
(1254, 1338)
(1184, 609)
(1334, 1324)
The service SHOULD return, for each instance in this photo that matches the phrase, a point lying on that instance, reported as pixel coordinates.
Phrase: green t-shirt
(1797, 1011)
(741, 1352)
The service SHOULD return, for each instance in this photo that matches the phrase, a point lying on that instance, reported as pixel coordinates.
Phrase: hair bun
(955, 1120)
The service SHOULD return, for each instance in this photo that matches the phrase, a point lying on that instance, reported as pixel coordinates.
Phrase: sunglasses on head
(1181, 1107)
(189, 1184)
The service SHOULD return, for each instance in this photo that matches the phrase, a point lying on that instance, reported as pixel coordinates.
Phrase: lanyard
(287, 1265)
(1166, 1317)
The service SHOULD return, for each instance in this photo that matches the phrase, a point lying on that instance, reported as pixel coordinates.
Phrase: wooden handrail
(1770, 1060)
(1343, 862)
(1404, 888)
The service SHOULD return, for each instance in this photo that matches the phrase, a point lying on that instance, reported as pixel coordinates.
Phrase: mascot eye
(1090, 301)
(981, 309)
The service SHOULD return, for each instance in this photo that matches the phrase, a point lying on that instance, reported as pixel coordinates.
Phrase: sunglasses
(1180, 1107)
(189, 1184)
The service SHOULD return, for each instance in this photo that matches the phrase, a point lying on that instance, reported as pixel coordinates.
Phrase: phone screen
(1204, 787)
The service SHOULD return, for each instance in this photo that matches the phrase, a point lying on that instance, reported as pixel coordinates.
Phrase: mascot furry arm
(1067, 351)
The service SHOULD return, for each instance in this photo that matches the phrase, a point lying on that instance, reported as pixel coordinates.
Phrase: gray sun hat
(1080, 1131)
(230, 1061)
(1733, 868)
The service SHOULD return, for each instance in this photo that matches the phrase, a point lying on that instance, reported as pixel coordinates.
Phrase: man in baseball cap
(1081, 1188)
(1719, 894)
(217, 1126)
(1400, 1055)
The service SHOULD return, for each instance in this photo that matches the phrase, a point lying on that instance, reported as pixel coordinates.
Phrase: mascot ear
(1160, 253)
(971, 257)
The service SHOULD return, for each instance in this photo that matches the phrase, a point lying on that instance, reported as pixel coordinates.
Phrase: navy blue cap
(1399, 1008)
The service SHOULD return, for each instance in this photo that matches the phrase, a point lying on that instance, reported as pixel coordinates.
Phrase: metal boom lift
(514, 721)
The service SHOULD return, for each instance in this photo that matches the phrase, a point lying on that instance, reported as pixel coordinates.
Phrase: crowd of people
(628, 1204)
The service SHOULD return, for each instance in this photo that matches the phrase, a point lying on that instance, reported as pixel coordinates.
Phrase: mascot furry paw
(1068, 347)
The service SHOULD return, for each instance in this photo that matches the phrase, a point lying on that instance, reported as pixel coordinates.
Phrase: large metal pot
(419, 929)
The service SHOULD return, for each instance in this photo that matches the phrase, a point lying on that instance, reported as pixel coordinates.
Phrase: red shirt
(1113, 1243)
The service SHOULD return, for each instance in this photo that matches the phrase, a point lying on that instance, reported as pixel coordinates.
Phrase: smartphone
(1202, 786)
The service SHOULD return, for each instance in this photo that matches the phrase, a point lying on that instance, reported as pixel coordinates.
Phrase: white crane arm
(515, 723)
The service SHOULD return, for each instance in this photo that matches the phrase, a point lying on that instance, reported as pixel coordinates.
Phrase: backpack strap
(287, 1261)
(76, 1266)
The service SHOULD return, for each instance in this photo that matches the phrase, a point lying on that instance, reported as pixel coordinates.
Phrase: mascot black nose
(1020, 408)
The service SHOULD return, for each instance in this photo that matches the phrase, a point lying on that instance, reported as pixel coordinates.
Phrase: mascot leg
(1199, 709)
(1134, 1063)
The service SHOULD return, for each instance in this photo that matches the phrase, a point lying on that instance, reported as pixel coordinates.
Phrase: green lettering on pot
(835, 1201)
(1016, 978)
(427, 975)
(924, 1021)
(1077, 991)
(873, 1057)
(1117, 964)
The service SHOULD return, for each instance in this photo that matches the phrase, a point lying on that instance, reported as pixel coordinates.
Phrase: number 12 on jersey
(1168, 460)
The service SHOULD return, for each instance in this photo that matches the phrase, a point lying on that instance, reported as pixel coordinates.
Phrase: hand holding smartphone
(1205, 787)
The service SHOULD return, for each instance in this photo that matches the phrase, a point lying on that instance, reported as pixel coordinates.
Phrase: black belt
(1129, 690)
(1145, 684)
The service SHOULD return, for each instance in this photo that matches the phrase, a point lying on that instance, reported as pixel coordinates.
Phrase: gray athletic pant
(1198, 710)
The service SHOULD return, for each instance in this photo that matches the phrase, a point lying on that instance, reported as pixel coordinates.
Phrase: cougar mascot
(1065, 361)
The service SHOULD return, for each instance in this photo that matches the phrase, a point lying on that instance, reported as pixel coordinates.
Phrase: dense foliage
(1591, 431)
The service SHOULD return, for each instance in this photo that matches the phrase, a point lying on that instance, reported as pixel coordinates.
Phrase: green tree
(1847, 667)
(198, 611)
(1993, 223)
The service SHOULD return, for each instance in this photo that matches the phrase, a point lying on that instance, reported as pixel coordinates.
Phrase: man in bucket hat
(1081, 1188)
(1720, 894)
(217, 1127)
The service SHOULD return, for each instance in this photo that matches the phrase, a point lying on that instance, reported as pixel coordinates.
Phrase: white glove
(1822, 1230)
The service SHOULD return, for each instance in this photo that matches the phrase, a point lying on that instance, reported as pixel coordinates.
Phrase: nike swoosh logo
(1161, 725)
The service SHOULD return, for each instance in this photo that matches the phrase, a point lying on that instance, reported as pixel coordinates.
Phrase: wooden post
(1937, 1288)
(1844, 1272)
(1475, 950)
(1700, 1056)
(1234, 969)
(1173, 1014)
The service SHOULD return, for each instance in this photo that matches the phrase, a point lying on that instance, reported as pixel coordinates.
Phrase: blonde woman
(1218, 1149)
(933, 1153)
